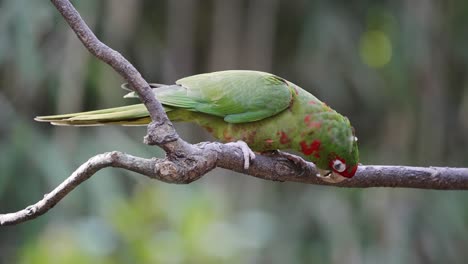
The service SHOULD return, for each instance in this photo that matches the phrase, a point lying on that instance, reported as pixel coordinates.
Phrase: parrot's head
(334, 150)
(343, 164)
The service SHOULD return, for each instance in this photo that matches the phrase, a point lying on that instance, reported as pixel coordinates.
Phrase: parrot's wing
(237, 96)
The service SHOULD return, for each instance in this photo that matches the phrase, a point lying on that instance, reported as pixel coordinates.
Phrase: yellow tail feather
(132, 115)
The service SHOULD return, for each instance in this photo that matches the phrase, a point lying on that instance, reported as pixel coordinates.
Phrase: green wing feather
(237, 96)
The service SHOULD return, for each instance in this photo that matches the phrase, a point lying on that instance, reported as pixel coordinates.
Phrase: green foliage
(157, 225)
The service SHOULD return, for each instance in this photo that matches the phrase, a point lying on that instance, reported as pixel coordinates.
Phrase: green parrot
(250, 109)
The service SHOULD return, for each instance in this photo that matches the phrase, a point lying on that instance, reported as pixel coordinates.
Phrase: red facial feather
(348, 173)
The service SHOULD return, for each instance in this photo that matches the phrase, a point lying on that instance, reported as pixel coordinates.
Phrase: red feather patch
(284, 139)
(310, 123)
(311, 149)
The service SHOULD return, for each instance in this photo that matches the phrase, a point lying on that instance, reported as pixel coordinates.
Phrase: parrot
(253, 110)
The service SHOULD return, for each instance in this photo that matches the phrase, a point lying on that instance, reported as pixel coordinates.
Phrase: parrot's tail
(131, 115)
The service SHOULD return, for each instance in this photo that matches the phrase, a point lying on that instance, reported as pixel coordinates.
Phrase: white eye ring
(339, 166)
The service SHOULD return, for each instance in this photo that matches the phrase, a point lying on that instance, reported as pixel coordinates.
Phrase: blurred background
(397, 69)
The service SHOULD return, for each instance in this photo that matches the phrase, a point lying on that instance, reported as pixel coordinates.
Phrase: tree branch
(185, 163)
(268, 168)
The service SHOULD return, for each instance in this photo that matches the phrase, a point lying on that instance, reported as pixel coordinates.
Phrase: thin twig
(84, 172)
(122, 66)
(111, 57)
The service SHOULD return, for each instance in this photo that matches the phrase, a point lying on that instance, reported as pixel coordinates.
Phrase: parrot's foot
(246, 151)
(324, 175)
(330, 176)
(297, 160)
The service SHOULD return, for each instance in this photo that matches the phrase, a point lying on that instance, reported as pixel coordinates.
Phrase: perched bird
(253, 108)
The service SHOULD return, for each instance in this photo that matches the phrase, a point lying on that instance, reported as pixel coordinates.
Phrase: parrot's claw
(330, 176)
(298, 161)
(246, 151)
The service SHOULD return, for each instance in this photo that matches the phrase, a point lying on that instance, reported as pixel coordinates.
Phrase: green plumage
(265, 111)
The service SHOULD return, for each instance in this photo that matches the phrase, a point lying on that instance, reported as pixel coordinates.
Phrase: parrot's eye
(339, 166)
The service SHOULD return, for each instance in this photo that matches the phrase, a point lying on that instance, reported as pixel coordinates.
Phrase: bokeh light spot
(375, 48)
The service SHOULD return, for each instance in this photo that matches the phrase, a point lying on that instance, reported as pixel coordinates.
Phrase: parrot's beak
(331, 177)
